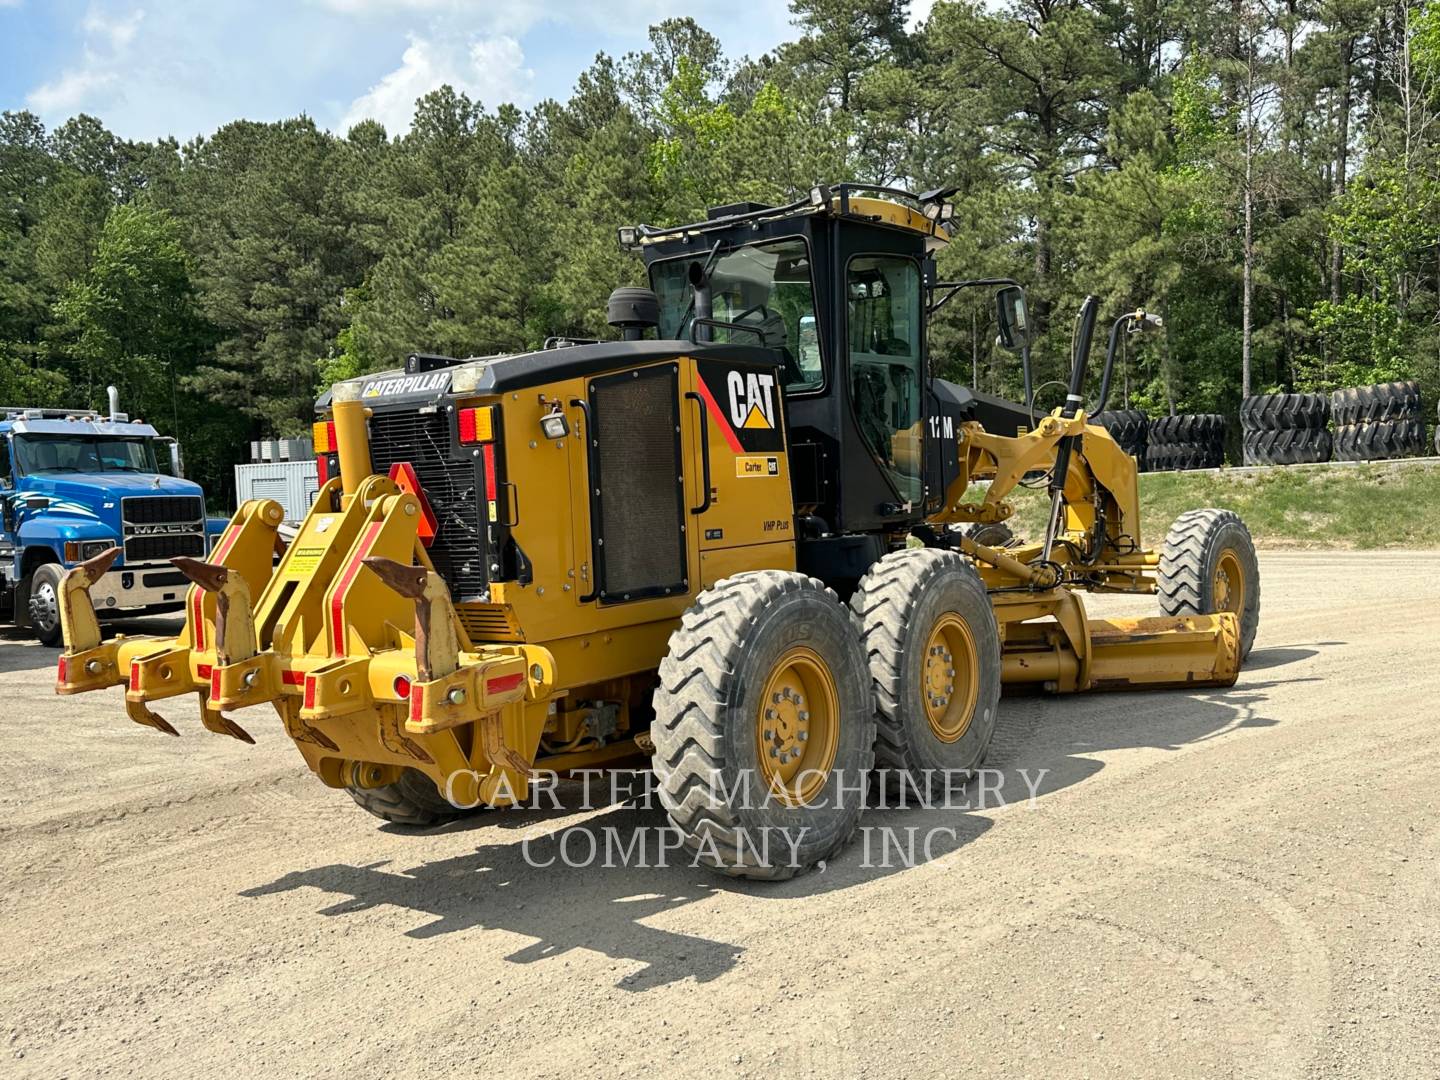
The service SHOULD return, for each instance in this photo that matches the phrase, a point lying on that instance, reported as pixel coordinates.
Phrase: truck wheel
(44, 605)
(934, 655)
(412, 800)
(764, 725)
(1208, 564)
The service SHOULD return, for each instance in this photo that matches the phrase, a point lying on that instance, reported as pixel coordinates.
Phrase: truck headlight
(83, 550)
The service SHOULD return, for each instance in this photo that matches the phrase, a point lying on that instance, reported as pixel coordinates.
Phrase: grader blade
(1152, 653)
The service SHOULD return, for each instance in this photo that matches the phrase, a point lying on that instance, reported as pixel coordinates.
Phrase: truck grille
(162, 509)
(163, 526)
(423, 439)
(148, 548)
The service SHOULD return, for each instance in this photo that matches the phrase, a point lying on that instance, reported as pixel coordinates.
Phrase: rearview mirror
(174, 466)
(1013, 318)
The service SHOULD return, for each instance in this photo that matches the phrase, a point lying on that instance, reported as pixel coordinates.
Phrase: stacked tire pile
(1285, 429)
(1376, 423)
(1128, 427)
(1190, 441)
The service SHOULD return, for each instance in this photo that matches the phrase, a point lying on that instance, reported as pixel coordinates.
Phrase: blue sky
(149, 68)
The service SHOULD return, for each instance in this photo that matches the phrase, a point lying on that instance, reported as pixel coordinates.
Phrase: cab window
(884, 336)
(766, 286)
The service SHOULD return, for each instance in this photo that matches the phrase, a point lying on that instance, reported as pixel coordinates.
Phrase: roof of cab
(97, 425)
(885, 206)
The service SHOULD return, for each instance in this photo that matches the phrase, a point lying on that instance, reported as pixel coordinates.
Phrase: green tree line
(1261, 174)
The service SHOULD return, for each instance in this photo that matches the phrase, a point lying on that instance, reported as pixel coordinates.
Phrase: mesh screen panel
(423, 439)
(640, 506)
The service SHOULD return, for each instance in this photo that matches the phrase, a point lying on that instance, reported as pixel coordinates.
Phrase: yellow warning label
(757, 466)
(304, 560)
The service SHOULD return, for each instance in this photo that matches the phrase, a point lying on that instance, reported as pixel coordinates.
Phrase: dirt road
(1215, 883)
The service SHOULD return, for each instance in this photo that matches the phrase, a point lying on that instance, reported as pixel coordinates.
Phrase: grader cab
(742, 541)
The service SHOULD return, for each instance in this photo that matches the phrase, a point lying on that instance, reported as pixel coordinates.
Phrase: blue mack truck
(74, 483)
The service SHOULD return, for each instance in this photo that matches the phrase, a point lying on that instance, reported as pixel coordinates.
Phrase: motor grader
(746, 540)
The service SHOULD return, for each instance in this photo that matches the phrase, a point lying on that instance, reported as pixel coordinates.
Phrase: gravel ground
(1239, 883)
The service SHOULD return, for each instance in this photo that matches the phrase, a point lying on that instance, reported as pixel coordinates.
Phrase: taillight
(402, 687)
(492, 492)
(323, 435)
(477, 425)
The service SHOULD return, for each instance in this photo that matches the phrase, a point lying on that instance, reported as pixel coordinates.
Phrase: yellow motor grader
(735, 541)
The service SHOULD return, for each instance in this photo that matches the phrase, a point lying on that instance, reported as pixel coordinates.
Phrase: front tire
(1208, 564)
(764, 722)
(43, 607)
(934, 657)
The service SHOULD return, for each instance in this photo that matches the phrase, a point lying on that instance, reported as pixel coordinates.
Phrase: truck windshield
(766, 286)
(82, 453)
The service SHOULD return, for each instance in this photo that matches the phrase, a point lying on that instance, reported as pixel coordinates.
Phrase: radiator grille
(640, 508)
(149, 548)
(163, 526)
(162, 509)
(423, 439)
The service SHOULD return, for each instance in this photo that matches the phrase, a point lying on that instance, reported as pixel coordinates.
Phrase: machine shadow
(547, 886)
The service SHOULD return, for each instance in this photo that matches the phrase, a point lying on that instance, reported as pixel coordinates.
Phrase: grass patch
(1393, 504)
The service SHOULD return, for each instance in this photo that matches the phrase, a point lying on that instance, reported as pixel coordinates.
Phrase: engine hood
(96, 489)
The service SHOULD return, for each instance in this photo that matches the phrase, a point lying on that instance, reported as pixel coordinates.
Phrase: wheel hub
(44, 608)
(1228, 584)
(798, 726)
(949, 682)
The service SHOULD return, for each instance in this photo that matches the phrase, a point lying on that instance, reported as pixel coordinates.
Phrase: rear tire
(1208, 564)
(1297, 446)
(1380, 440)
(1380, 401)
(412, 800)
(1285, 412)
(1128, 427)
(935, 712)
(764, 721)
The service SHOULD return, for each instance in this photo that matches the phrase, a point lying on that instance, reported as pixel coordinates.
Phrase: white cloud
(71, 91)
(116, 32)
(491, 70)
(919, 12)
(107, 42)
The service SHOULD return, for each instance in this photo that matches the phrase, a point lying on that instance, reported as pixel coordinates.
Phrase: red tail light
(477, 425)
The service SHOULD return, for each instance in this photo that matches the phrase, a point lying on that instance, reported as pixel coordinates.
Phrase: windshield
(83, 453)
(766, 286)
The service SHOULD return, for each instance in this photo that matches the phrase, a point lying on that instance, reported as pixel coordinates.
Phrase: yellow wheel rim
(1228, 584)
(949, 681)
(797, 730)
